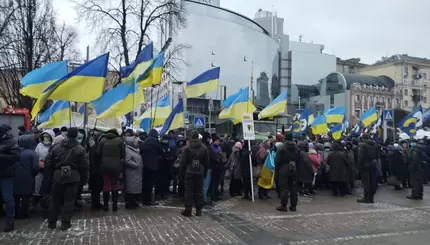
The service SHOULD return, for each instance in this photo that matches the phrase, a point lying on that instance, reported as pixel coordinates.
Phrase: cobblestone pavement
(320, 220)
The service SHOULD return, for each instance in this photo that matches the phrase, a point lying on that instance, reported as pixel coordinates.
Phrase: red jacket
(315, 158)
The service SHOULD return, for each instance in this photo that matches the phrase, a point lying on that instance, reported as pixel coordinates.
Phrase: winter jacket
(286, 153)
(151, 151)
(397, 163)
(9, 156)
(194, 151)
(315, 158)
(416, 159)
(351, 164)
(133, 168)
(234, 164)
(367, 156)
(217, 162)
(68, 154)
(42, 150)
(244, 163)
(305, 172)
(111, 149)
(338, 162)
(27, 167)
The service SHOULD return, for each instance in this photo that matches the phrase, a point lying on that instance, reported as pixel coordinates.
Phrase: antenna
(300, 38)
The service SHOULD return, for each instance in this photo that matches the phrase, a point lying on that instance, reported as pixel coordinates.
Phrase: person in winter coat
(218, 168)
(316, 162)
(207, 141)
(235, 171)
(245, 171)
(178, 183)
(351, 166)
(338, 162)
(194, 164)
(260, 159)
(406, 151)
(69, 163)
(367, 165)
(42, 150)
(133, 168)
(111, 149)
(9, 156)
(417, 157)
(164, 174)
(95, 175)
(25, 171)
(397, 165)
(305, 172)
(152, 154)
(286, 161)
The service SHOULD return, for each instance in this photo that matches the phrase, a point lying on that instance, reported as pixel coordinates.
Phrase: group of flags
(87, 84)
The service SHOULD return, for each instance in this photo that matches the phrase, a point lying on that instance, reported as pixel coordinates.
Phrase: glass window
(406, 103)
(357, 113)
(406, 92)
(398, 101)
(357, 98)
(405, 70)
(425, 99)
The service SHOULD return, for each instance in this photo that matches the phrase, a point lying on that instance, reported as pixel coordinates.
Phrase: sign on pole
(248, 126)
(388, 115)
(186, 117)
(199, 122)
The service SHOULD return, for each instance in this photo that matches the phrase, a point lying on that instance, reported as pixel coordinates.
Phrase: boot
(365, 199)
(282, 208)
(65, 225)
(52, 225)
(199, 212)
(114, 201)
(9, 227)
(106, 200)
(293, 208)
(371, 199)
(187, 212)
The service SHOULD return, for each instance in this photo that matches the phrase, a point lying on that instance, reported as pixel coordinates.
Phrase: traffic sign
(199, 122)
(388, 115)
(186, 117)
(248, 126)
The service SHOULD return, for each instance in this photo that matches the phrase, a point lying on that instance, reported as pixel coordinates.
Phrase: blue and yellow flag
(335, 115)
(37, 81)
(118, 101)
(175, 119)
(84, 84)
(369, 117)
(240, 105)
(155, 116)
(57, 115)
(267, 178)
(336, 132)
(152, 75)
(300, 126)
(82, 108)
(356, 130)
(409, 123)
(227, 103)
(278, 105)
(204, 83)
(319, 125)
(139, 66)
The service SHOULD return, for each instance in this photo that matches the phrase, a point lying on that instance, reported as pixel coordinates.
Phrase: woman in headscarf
(234, 169)
(133, 168)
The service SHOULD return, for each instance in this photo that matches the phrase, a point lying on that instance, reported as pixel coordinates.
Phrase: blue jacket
(27, 167)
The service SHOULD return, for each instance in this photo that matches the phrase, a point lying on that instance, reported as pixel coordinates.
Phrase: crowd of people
(51, 168)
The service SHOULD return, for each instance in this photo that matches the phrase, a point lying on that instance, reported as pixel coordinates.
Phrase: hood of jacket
(27, 141)
(129, 141)
(153, 133)
(369, 142)
(216, 148)
(336, 147)
(312, 152)
(111, 134)
(194, 144)
(50, 132)
(69, 143)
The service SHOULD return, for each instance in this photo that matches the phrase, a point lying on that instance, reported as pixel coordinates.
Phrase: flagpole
(155, 110)
(249, 141)
(70, 114)
(86, 104)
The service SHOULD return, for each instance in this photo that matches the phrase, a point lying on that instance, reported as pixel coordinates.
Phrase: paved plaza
(320, 220)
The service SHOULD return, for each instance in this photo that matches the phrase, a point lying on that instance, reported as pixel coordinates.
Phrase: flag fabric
(118, 101)
(319, 125)
(426, 115)
(278, 105)
(376, 126)
(267, 177)
(345, 123)
(335, 115)
(356, 131)
(205, 82)
(37, 81)
(240, 105)
(369, 117)
(409, 123)
(82, 108)
(336, 132)
(84, 84)
(153, 74)
(418, 114)
(155, 116)
(300, 128)
(175, 119)
(57, 115)
(139, 66)
(230, 99)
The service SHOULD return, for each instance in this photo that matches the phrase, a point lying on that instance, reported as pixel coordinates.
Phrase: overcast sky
(368, 29)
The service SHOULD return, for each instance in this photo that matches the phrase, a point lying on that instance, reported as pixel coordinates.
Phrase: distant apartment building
(411, 76)
(349, 66)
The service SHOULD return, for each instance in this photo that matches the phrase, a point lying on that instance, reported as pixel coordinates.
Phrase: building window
(364, 98)
(357, 98)
(425, 99)
(398, 101)
(357, 113)
(425, 76)
(389, 100)
(370, 99)
(405, 71)
(406, 92)
(406, 103)
(382, 99)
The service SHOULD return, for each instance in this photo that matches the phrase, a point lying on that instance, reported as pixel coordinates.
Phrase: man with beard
(367, 163)
(287, 158)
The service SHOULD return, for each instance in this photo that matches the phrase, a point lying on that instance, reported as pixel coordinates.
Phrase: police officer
(287, 158)
(367, 162)
(193, 167)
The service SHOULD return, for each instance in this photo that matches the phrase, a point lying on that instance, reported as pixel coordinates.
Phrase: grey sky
(368, 29)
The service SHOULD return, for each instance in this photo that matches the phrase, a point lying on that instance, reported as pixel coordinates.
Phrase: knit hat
(288, 136)
(72, 133)
(279, 138)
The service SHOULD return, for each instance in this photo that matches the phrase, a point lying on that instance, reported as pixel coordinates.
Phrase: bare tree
(64, 39)
(28, 41)
(124, 26)
(174, 62)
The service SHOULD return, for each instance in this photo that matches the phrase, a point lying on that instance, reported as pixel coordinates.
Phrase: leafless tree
(29, 39)
(124, 26)
(174, 62)
(65, 38)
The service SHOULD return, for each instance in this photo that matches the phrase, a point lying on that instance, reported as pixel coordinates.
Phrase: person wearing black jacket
(417, 158)
(207, 140)
(194, 164)
(95, 177)
(287, 158)
(9, 156)
(367, 162)
(152, 154)
(68, 164)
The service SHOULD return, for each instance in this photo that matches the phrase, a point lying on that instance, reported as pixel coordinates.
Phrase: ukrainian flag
(175, 119)
(369, 117)
(319, 125)
(118, 101)
(267, 177)
(335, 115)
(57, 115)
(82, 108)
(409, 123)
(227, 103)
(35, 82)
(300, 126)
(139, 66)
(155, 116)
(205, 82)
(152, 75)
(86, 83)
(240, 105)
(277, 106)
(336, 132)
